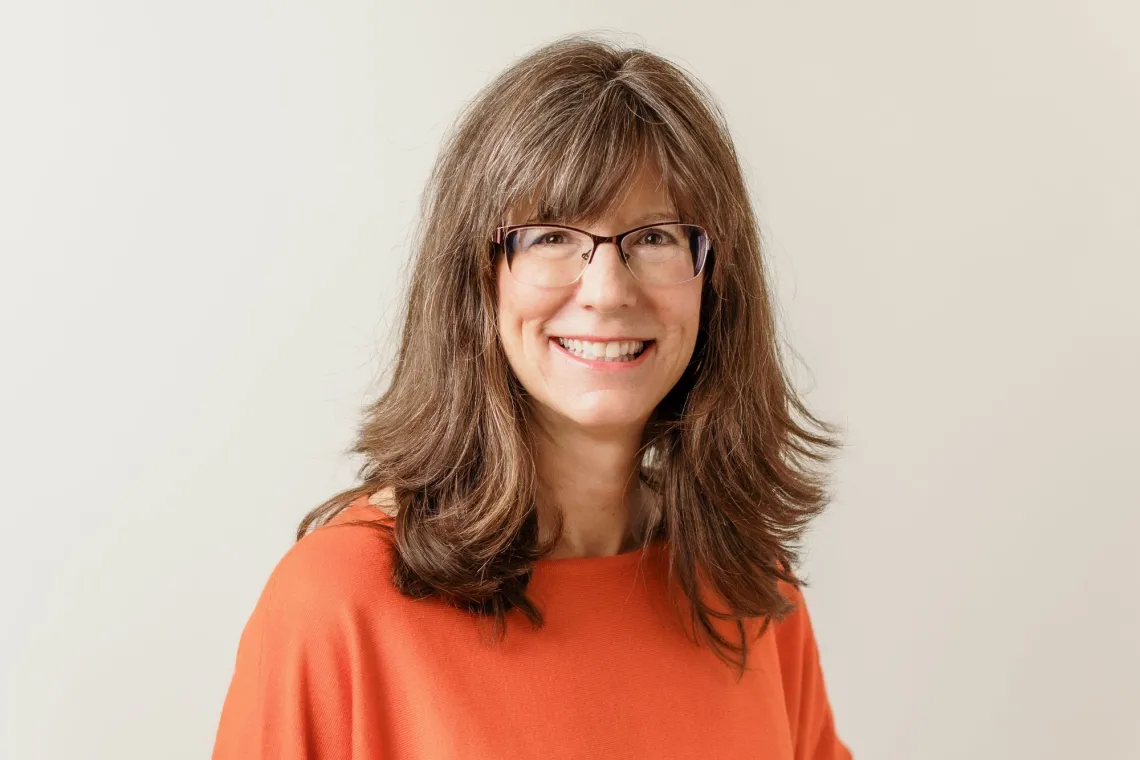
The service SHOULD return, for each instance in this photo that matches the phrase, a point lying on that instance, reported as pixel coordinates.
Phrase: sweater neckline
(603, 563)
(595, 565)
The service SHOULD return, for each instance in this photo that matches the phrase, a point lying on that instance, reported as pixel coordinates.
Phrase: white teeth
(613, 351)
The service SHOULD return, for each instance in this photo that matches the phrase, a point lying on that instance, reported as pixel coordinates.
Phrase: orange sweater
(335, 664)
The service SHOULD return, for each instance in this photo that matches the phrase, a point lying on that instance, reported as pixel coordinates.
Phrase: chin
(610, 413)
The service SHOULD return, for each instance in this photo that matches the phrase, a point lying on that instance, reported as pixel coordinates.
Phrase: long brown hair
(732, 455)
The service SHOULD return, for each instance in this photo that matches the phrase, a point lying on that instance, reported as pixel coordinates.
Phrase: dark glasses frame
(499, 238)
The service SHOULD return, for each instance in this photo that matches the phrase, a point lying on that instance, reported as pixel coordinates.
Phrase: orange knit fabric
(334, 664)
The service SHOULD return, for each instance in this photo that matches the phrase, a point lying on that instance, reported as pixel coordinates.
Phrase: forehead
(641, 199)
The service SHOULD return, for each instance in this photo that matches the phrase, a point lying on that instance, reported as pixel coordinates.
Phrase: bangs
(580, 163)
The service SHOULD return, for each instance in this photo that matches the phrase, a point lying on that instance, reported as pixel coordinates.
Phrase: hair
(732, 455)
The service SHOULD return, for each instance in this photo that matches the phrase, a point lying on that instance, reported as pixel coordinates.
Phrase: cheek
(522, 312)
(682, 314)
(505, 309)
(693, 316)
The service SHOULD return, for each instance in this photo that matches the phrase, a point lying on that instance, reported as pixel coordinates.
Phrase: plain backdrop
(205, 214)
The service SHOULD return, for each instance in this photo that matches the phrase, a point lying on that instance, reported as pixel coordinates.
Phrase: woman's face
(553, 336)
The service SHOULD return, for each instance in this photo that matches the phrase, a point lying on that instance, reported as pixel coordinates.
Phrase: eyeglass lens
(551, 255)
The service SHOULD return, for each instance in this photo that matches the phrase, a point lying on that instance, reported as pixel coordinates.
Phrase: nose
(607, 284)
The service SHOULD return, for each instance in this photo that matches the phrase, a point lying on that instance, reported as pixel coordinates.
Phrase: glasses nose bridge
(600, 240)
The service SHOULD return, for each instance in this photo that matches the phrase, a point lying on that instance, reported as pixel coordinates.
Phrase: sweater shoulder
(342, 563)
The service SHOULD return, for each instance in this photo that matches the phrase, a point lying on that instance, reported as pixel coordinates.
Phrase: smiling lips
(609, 351)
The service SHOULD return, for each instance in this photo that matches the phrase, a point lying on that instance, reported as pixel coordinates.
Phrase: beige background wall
(204, 212)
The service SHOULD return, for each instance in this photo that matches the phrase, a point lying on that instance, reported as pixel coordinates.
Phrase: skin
(590, 422)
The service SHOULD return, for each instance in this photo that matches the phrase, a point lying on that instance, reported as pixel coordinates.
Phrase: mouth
(614, 351)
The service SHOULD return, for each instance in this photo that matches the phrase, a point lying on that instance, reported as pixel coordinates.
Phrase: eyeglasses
(665, 253)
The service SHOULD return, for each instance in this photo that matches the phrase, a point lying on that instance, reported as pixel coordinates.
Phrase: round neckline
(594, 558)
(598, 563)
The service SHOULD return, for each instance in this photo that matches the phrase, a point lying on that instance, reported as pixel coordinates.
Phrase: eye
(654, 238)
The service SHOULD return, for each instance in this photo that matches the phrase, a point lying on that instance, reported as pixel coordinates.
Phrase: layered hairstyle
(732, 456)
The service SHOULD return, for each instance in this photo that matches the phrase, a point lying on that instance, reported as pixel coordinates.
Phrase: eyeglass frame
(499, 238)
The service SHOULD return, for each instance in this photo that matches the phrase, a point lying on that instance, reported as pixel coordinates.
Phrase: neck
(590, 476)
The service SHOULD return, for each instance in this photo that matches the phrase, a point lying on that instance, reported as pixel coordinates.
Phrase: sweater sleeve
(290, 697)
(805, 693)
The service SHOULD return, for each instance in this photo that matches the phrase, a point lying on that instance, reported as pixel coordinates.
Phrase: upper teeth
(602, 350)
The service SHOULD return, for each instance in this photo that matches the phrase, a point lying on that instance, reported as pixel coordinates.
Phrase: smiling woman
(588, 441)
(601, 312)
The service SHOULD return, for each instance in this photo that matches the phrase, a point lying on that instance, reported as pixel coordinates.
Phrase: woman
(576, 527)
